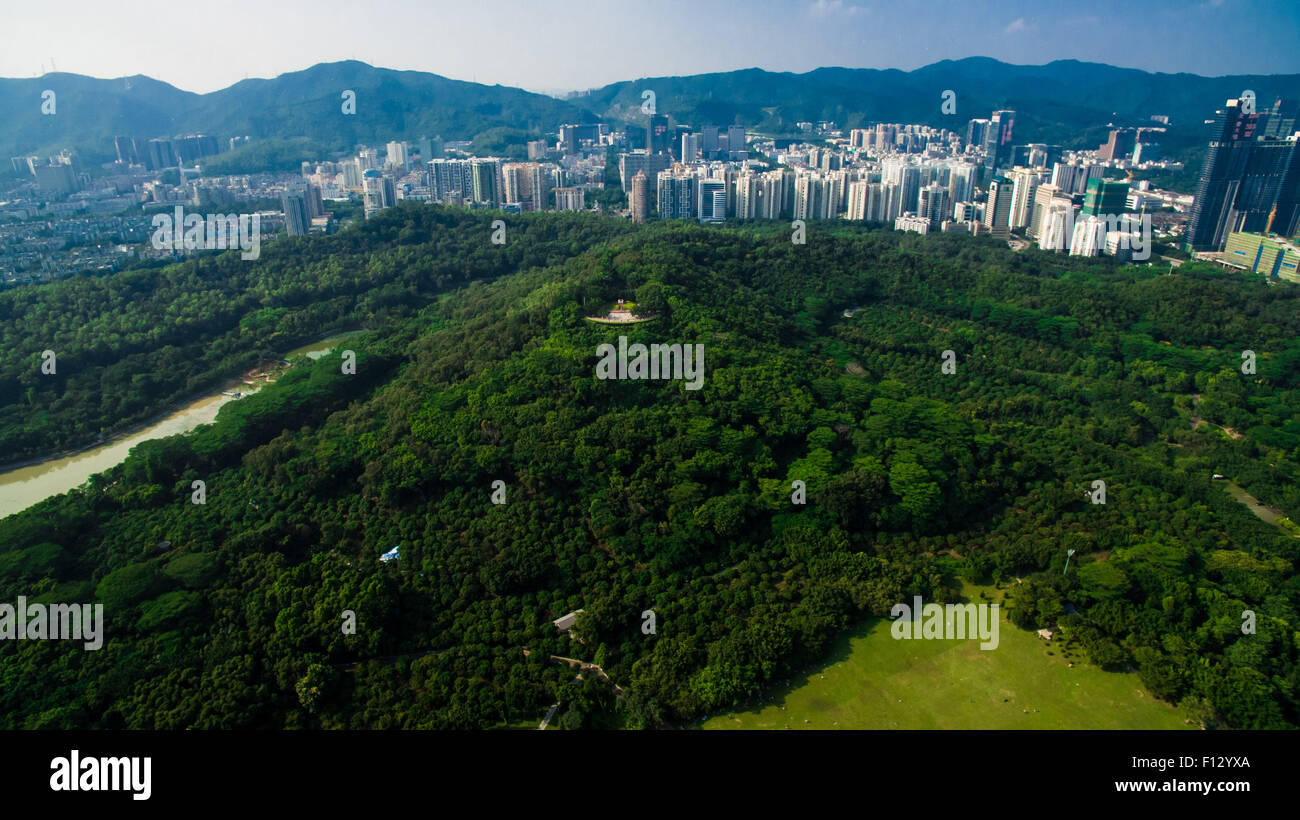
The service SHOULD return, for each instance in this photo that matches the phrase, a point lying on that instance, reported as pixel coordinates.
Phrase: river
(22, 487)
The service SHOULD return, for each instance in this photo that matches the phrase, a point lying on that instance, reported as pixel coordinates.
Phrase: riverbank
(126, 432)
(178, 406)
(1262, 511)
(24, 484)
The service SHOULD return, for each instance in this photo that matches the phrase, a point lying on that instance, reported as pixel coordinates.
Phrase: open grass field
(1271, 515)
(876, 682)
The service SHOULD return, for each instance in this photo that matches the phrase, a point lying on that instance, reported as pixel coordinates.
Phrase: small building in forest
(565, 622)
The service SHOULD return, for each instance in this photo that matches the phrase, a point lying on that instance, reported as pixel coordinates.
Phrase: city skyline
(1213, 38)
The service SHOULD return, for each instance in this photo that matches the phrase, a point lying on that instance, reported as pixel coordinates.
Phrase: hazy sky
(552, 45)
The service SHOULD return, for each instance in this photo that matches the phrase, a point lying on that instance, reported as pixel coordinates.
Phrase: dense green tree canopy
(625, 496)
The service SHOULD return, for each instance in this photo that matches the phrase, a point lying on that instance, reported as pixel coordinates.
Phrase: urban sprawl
(59, 218)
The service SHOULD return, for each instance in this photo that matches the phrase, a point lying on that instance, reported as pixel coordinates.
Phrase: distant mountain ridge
(1065, 101)
(389, 105)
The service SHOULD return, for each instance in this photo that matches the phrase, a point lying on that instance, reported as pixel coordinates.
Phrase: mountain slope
(1052, 101)
(1065, 101)
(624, 496)
(389, 105)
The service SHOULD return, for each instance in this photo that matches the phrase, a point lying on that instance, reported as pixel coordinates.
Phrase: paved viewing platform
(623, 313)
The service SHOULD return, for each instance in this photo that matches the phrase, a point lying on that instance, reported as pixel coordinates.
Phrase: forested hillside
(1064, 101)
(624, 496)
(128, 344)
(388, 104)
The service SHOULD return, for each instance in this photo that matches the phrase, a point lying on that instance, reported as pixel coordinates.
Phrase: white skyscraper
(877, 202)
(1042, 201)
(351, 174)
(934, 204)
(379, 193)
(1022, 196)
(836, 194)
(747, 194)
(909, 189)
(772, 195)
(676, 196)
(690, 148)
(891, 199)
(806, 192)
(1089, 238)
(857, 209)
(397, 155)
(961, 182)
(1056, 226)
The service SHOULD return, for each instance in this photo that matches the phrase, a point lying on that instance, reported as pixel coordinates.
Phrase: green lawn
(876, 682)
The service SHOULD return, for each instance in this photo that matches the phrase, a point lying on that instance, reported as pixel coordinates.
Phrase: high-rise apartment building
(1089, 237)
(56, 178)
(1056, 225)
(351, 174)
(161, 154)
(746, 188)
(1042, 202)
(818, 195)
(877, 209)
(1286, 214)
(657, 136)
(857, 210)
(296, 220)
(690, 148)
(1063, 176)
(572, 136)
(569, 199)
(430, 148)
(771, 195)
(934, 204)
(1280, 119)
(1024, 183)
(125, 150)
(711, 200)
(676, 194)
(1105, 196)
(638, 196)
(378, 192)
(1041, 155)
(709, 142)
(736, 141)
(961, 181)
(526, 184)
(1232, 136)
(885, 136)
(451, 181)
(1261, 183)
(997, 139)
(997, 211)
(397, 155)
(652, 164)
(486, 175)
